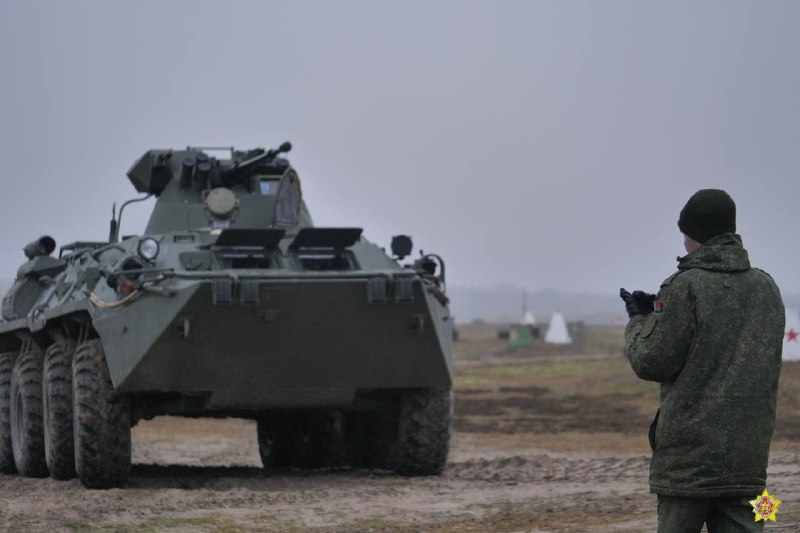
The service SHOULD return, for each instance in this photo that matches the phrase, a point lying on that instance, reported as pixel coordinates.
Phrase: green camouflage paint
(716, 350)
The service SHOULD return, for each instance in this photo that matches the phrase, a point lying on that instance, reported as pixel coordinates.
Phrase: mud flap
(651, 435)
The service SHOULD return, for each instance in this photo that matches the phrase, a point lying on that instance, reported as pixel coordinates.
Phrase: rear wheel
(323, 444)
(7, 465)
(423, 432)
(27, 432)
(101, 421)
(314, 440)
(370, 439)
(277, 442)
(59, 448)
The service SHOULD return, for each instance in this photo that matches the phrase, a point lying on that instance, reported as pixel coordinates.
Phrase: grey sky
(546, 144)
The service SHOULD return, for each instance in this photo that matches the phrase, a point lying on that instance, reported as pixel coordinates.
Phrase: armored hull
(231, 304)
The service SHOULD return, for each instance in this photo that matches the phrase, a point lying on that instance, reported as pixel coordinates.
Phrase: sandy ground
(523, 459)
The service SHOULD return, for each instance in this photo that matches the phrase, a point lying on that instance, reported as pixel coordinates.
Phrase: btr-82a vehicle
(231, 304)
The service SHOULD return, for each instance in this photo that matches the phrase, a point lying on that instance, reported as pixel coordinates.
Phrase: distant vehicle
(232, 303)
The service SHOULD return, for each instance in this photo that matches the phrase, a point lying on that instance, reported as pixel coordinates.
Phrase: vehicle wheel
(101, 421)
(278, 441)
(315, 440)
(423, 432)
(59, 447)
(27, 433)
(371, 437)
(7, 465)
(322, 441)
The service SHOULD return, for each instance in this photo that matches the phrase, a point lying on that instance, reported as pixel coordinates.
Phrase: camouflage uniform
(716, 350)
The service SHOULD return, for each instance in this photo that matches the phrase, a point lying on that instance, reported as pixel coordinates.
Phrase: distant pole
(524, 304)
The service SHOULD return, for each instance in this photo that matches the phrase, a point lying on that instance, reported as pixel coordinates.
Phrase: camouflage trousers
(721, 515)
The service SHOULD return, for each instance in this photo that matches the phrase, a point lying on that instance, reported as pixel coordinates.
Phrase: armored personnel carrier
(231, 304)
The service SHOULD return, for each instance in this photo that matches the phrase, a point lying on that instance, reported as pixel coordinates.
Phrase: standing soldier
(712, 337)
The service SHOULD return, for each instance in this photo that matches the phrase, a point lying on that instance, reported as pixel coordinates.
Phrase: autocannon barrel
(44, 245)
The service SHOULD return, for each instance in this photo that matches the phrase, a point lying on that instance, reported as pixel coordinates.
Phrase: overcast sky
(544, 144)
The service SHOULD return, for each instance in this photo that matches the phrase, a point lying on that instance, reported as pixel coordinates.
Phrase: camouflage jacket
(715, 347)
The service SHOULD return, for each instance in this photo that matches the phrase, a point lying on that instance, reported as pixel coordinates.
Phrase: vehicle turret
(249, 189)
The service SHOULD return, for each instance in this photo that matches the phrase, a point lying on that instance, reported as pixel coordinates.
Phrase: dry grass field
(546, 439)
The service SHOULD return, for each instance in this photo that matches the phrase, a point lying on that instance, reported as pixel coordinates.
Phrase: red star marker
(792, 335)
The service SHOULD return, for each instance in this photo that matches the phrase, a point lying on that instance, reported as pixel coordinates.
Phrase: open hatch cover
(336, 238)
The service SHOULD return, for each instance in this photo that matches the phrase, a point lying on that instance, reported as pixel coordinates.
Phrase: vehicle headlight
(148, 248)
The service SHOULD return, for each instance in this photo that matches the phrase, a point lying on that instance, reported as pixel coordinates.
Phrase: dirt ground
(545, 440)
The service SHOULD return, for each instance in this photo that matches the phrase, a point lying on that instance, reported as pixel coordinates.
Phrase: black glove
(638, 303)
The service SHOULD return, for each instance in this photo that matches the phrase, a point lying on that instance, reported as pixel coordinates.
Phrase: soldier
(712, 337)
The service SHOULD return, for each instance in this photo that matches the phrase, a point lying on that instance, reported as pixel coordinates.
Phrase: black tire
(277, 442)
(59, 446)
(371, 437)
(7, 465)
(314, 440)
(423, 432)
(323, 441)
(27, 431)
(101, 421)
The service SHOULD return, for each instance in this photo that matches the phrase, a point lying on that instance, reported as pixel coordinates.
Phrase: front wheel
(27, 433)
(7, 465)
(59, 449)
(101, 421)
(423, 432)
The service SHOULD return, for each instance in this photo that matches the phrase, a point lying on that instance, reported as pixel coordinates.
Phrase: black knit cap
(708, 213)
